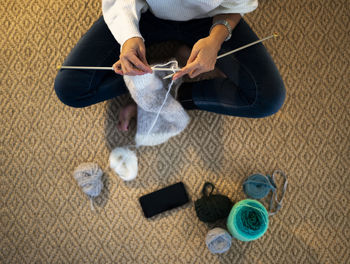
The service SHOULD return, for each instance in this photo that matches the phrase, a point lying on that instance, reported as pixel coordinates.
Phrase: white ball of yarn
(218, 240)
(88, 176)
(124, 162)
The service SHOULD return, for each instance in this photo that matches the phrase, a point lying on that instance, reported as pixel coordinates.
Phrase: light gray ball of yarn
(218, 240)
(88, 176)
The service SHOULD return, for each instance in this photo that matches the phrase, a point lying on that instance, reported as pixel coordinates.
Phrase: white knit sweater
(122, 16)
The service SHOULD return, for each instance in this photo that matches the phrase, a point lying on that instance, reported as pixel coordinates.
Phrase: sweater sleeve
(236, 6)
(122, 18)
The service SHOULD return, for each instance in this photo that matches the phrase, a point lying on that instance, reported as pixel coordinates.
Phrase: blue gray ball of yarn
(88, 176)
(257, 186)
(218, 240)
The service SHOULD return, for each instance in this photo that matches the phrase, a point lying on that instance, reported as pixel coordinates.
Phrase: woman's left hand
(202, 58)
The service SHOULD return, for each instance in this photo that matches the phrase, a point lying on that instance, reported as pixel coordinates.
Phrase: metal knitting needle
(275, 35)
(84, 68)
(107, 68)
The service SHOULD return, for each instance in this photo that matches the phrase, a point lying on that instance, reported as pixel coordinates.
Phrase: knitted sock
(159, 115)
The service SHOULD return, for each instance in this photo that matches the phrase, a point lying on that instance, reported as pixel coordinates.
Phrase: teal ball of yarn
(248, 220)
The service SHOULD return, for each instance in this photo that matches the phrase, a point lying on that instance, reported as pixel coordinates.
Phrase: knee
(272, 99)
(67, 90)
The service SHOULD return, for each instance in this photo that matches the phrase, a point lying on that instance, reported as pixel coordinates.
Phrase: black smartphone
(164, 199)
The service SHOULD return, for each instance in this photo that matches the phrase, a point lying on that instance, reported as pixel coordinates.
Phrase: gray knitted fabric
(159, 115)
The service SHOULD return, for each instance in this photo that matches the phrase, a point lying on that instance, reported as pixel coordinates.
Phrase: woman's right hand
(132, 60)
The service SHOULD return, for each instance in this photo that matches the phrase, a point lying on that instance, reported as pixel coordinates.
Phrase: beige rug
(45, 217)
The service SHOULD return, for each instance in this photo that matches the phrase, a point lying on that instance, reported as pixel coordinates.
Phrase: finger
(123, 69)
(142, 55)
(193, 56)
(181, 73)
(128, 69)
(186, 70)
(117, 67)
(138, 63)
(127, 66)
(201, 69)
(195, 73)
(135, 70)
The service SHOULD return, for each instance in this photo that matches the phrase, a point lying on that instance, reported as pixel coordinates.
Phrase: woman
(250, 84)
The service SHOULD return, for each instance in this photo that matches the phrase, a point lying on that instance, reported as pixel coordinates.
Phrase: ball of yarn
(124, 162)
(211, 208)
(218, 240)
(248, 220)
(88, 176)
(257, 186)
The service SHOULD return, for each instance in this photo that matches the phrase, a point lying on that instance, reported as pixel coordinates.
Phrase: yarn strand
(274, 194)
(92, 205)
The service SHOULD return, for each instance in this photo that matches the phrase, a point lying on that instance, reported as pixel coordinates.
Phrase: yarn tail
(92, 205)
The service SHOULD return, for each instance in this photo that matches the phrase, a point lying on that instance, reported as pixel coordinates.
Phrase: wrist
(218, 35)
(130, 42)
(226, 24)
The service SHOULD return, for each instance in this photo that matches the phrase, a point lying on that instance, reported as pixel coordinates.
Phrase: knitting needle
(84, 68)
(275, 35)
(108, 68)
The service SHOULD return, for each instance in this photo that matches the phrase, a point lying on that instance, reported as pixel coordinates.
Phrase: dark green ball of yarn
(211, 208)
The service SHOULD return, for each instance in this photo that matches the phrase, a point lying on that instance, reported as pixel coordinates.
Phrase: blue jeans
(253, 87)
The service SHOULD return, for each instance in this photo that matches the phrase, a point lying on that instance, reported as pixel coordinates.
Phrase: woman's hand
(132, 60)
(202, 58)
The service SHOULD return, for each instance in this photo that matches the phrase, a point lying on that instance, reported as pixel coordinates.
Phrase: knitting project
(159, 115)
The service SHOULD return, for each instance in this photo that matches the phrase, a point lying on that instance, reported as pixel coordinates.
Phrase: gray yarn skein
(88, 176)
(218, 240)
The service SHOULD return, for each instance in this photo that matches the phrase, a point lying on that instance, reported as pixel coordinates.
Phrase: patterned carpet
(46, 218)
